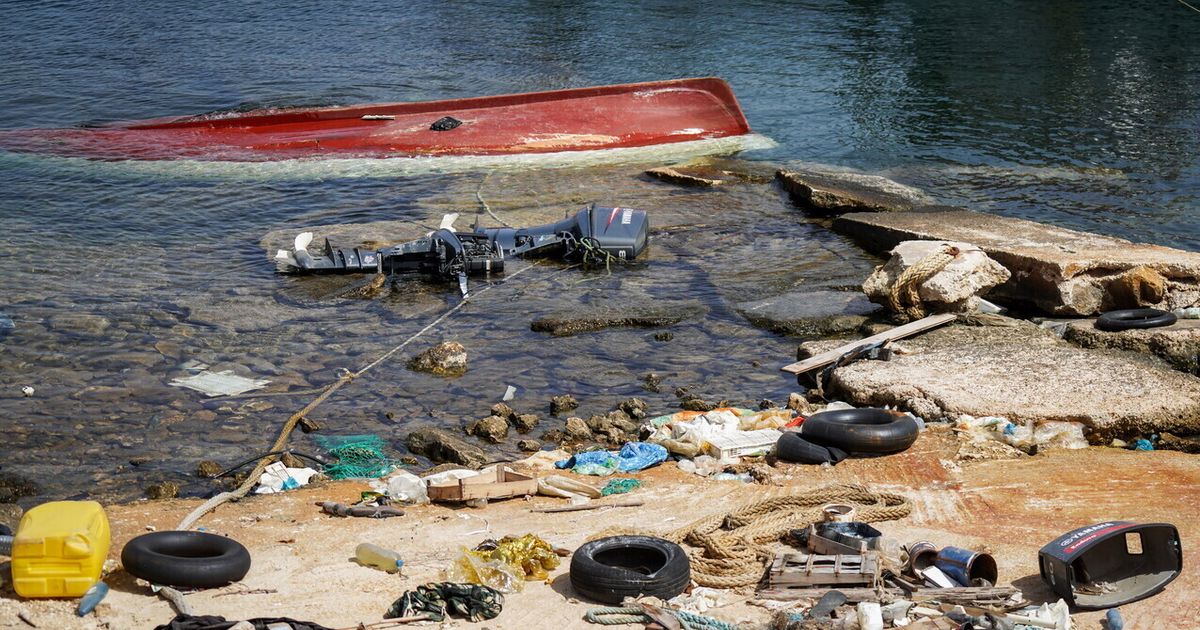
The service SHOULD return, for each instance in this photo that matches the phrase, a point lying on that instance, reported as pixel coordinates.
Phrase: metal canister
(965, 566)
(838, 513)
(921, 555)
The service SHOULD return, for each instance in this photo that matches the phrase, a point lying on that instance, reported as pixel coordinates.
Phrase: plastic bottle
(370, 555)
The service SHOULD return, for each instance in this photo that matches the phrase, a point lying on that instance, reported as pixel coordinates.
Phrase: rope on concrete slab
(903, 299)
(730, 547)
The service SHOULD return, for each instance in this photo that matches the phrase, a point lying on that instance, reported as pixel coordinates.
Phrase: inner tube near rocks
(861, 430)
(793, 448)
(186, 559)
(1132, 318)
(610, 569)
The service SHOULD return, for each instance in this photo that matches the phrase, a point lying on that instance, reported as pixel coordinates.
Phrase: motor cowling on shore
(592, 235)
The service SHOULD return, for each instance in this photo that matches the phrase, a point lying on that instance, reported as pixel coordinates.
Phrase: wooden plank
(589, 506)
(899, 332)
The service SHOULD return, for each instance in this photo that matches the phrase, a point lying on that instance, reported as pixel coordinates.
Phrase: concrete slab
(1177, 344)
(810, 313)
(1059, 271)
(836, 193)
(1024, 373)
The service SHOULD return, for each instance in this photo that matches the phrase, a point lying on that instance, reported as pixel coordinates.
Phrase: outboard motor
(591, 235)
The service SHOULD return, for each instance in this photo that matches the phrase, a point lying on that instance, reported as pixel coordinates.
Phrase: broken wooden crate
(803, 570)
(504, 483)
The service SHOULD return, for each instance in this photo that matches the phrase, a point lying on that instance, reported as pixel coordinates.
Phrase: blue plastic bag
(590, 463)
(636, 456)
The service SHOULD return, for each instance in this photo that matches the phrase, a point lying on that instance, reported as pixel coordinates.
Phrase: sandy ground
(302, 564)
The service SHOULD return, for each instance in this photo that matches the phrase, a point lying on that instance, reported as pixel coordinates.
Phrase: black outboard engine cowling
(591, 235)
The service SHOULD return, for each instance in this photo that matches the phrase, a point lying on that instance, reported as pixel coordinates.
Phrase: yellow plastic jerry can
(59, 549)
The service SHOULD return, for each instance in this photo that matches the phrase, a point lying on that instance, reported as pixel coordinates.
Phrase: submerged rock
(440, 445)
(663, 313)
(1023, 373)
(529, 446)
(525, 422)
(492, 428)
(836, 193)
(208, 469)
(1059, 271)
(563, 404)
(162, 490)
(1178, 344)
(810, 313)
(448, 358)
(13, 487)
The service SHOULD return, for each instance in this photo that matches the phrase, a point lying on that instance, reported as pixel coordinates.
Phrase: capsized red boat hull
(606, 117)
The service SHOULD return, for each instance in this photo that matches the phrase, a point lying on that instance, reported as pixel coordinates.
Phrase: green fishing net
(357, 456)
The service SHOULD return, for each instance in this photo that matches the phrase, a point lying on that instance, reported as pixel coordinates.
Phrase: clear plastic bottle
(371, 555)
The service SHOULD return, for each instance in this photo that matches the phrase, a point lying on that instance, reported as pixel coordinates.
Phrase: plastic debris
(1142, 444)
(634, 456)
(509, 394)
(406, 487)
(1113, 619)
(363, 511)
(620, 486)
(566, 488)
(92, 598)
(507, 564)
(277, 478)
(27, 390)
(1026, 437)
(224, 383)
(372, 555)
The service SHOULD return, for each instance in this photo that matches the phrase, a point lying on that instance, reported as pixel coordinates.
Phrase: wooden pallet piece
(899, 332)
(803, 570)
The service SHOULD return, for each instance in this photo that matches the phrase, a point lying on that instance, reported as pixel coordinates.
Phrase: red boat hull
(616, 116)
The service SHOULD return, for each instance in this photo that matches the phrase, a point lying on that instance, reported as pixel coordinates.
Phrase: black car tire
(187, 559)
(791, 447)
(610, 569)
(1129, 319)
(861, 430)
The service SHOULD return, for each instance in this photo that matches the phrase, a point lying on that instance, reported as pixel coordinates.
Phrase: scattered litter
(567, 488)
(509, 394)
(620, 486)
(436, 601)
(224, 383)
(91, 599)
(1027, 437)
(363, 511)
(506, 564)
(372, 555)
(277, 478)
(6, 324)
(27, 390)
(632, 457)
(405, 487)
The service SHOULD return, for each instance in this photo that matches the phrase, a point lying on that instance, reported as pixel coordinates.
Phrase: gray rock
(492, 428)
(1178, 344)
(1060, 271)
(1026, 374)
(576, 429)
(563, 404)
(634, 315)
(529, 446)
(615, 420)
(969, 275)
(504, 411)
(525, 422)
(162, 490)
(810, 313)
(836, 193)
(440, 445)
(448, 358)
(208, 469)
(635, 408)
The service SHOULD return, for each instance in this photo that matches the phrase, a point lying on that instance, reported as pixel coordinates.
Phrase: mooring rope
(634, 615)
(903, 298)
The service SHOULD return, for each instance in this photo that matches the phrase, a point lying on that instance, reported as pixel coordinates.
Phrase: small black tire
(861, 430)
(793, 448)
(1133, 318)
(610, 569)
(186, 559)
